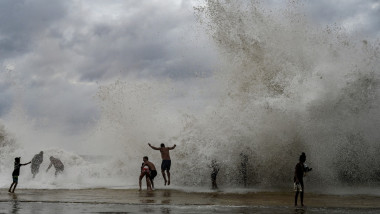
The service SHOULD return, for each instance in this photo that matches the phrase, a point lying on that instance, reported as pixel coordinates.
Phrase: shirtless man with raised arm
(166, 162)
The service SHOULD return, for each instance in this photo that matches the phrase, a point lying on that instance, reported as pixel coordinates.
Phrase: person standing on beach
(16, 173)
(215, 170)
(298, 178)
(58, 165)
(145, 172)
(36, 162)
(166, 162)
(152, 169)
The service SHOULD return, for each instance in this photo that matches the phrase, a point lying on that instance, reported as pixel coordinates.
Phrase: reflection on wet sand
(147, 197)
(299, 211)
(166, 195)
(165, 210)
(174, 201)
(15, 203)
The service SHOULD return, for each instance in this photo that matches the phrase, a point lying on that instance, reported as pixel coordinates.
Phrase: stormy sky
(55, 55)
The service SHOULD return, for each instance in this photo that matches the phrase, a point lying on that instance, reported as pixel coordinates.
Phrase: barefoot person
(36, 162)
(298, 178)
(145, 172)
(58, 165)
(152, 169)
(166, 162)
(16, 173)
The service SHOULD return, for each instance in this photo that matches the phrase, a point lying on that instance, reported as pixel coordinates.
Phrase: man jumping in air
(166, 162)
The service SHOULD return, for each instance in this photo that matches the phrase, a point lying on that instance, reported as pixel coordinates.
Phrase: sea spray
(287, 86)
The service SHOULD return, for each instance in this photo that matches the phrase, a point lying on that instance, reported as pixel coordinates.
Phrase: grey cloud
(53, 47)
(21, 22)
(151, 42)
(330, 12)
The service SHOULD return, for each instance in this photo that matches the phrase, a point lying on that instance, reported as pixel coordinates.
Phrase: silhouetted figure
(243, 170)
(58, 165)
(215, 170)
(152, 170)
(16, 173)
(36, 162)
(166, 162)
(298, 178)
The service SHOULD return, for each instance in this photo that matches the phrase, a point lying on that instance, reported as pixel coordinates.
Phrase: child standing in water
(16, 173)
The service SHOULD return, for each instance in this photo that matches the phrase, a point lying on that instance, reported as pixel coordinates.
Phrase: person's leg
(163, 175)
(163, 170)
(168, 172)
(140, 179)
(296, 198)
(14, 187)
(153, 174)
(168, 164)
(152, 183)
(10, 188)
(148, 184)
(303, 190)
(37, 170)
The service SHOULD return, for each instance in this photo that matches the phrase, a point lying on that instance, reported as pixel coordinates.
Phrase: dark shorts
(153, 174)
(15, 179)
(213, 176)
(166, 165)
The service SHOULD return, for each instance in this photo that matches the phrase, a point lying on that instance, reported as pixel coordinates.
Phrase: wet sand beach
(176, 201)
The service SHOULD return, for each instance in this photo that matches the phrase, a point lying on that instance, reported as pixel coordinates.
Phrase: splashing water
(287, 86)
(283, 86)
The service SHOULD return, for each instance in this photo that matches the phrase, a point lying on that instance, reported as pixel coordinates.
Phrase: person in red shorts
(145, 172)
(152, 169)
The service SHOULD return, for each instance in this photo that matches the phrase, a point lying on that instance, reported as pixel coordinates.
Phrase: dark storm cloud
(62, 53)
(22, 20)
(61, 49)
(151, 42)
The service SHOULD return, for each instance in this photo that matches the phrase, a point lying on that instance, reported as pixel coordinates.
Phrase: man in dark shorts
(166, 162)
(152, 169)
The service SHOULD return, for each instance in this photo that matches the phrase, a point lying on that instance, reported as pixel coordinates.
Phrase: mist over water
(283, 86)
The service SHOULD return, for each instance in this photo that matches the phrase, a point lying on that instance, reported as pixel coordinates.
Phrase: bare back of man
(166, 161)
(165, 155)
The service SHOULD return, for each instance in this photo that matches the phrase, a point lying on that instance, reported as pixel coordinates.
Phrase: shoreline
(183, 198)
